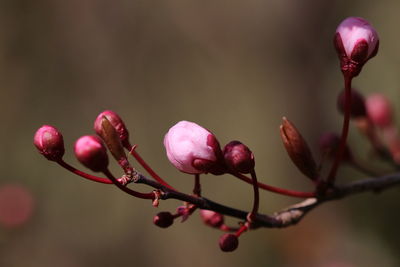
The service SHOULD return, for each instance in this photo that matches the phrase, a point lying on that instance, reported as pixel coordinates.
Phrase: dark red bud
(298, 150)
(228, 242)
(163, 219)
(358, 108)
(238, 157)
(329, 145)
(50, 143)
(117, 123)
(212, 218)
(91, 152)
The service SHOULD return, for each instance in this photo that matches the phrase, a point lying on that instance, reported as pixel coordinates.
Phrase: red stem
(197, 185)
(126, 189)
(153, 174)
(345, 130)
(256, 195)
(277, 190)
(83, 174)
(242, 229)
(227, 228)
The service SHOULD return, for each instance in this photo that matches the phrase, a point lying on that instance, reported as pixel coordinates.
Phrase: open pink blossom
(192, 149)
(379, 110)
(356, 41)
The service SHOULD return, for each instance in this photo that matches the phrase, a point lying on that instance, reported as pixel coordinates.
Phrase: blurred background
(234, 67)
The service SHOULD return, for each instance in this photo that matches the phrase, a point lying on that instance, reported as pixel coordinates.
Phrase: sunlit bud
(117, 123)
(379, 110)
(329, 145)
(228, 242)
(49, 141)
(192, 149)
(356, 41)
(163, 219)
(91, 152)
(110, 136)
(212, 218)
(298, 149)
(358, 109)
(238, 157)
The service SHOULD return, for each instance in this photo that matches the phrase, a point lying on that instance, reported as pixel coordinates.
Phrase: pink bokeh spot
(379, 110)
(16, 205)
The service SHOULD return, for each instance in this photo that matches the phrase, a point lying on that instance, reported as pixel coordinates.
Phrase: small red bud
(358, 109)
(116, 122)
(298, 149)
(228, 242)
(238, 157)
(212, 218)
(91, 152)
(163, 219)
(49, 141)
(329, 145)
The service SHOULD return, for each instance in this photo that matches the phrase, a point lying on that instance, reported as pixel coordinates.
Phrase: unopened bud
(163, 219)
(357, 109)
(193, 149)
(49, 141)
(91, 152)
(329, 145)
(356, 41)
(298, 149)
(238, 157)
(117, 123)
(379, 110)
(212, 218)
(228, 242)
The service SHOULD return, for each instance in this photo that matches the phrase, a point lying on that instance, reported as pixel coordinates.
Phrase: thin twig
(286, 217)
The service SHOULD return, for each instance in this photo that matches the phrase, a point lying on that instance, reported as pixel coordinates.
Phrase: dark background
(234, 67)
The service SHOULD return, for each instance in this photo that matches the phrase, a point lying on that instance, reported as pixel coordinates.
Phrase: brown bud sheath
(118, 124)
(112, 140)
(111, 137)
(298, 149)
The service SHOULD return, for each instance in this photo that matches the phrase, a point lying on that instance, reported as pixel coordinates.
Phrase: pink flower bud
(163, 219)
(91, 152)
(212, 218)
(49, 141)
(193, 149)
(238, 157)
(379, 110)
(116, 122)
(358, 109)
(228, 242)
(356, 41)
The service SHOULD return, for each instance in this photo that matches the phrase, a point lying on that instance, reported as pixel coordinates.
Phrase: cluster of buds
(196, 151)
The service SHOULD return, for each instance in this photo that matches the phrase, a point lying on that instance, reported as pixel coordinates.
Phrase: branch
(287, 217)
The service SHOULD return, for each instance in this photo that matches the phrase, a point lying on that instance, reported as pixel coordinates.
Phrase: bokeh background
(235, 67)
